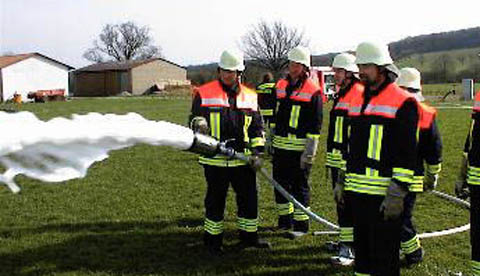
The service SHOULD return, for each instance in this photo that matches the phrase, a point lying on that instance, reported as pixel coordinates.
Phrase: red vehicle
(47, 95)
(323, 76)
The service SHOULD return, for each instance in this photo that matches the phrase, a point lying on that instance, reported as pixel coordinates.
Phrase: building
(137, 77)
(31, 72)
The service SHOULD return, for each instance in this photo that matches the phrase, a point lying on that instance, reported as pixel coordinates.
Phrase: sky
(196, 32)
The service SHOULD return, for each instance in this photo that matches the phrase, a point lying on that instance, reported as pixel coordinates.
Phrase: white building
(31, 72)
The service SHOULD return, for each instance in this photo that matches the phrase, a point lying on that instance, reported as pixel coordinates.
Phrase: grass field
(140, 212)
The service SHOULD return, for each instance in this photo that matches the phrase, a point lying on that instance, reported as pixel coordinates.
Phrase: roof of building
(121, 66)
(6, 61)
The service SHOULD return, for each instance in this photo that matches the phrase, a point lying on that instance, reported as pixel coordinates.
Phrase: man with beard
(381, 159)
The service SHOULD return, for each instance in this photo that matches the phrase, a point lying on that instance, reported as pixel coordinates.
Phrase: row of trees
(265, 46)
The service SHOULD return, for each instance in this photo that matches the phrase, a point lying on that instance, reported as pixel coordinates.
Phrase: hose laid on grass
(335, 227)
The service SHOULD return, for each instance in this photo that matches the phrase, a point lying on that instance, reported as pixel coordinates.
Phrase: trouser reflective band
(247, 225)
(285, 208)
(417, 185)
(473, 175)
(257, 142)
(212, 227)
(411, 245)
(299, 215)
(335, 159)
(346, 234)
(475, 268)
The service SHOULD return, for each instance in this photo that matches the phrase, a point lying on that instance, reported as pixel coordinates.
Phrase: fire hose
(207, 145)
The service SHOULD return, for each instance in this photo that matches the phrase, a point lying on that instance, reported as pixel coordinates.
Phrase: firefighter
(297, 128)
(468, 183)
(380, 164)
(348, 86)
(228, 111)
(267, 101)
(430, 152)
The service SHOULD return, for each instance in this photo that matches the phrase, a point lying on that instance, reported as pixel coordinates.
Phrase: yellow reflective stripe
(247, 225)
(411, 245)
(335, 159)
(403, 175)
(248, 121)
(221, 161)
(213, 227)
(434, 169)
(257, 142)
(371, 172)
(346, 234)
(300, 215)
(338, 134)
(417, 185)
(313, 136)
(375, 142)
(473, 175)
(289, 143)
(475, 267)
(215, 124)
(294, 114)
(284, 208)
(266, 112)
(374, 185)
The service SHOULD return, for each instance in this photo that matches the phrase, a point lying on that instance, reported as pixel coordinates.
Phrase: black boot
(285, 222)
(213, 243)
(250, 239)
(415, 257)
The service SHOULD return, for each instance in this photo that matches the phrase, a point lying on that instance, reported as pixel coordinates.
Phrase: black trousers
(377, 242)
(287, 172)
(408, 233)
(345, 219)
(475, 227)
(243, 180)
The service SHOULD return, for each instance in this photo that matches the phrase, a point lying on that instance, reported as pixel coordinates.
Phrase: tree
(268, 44)
(121, 42)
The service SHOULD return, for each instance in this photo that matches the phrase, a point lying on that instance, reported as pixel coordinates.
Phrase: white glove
(430, 181)
(392, 205)
(308, 155)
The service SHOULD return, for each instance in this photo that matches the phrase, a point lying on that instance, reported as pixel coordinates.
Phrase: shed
(25, 73)
(137, 77)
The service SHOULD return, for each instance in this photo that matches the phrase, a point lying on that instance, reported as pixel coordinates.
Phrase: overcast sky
(195, 32)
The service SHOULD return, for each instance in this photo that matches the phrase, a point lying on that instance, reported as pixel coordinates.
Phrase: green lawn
(140, 212)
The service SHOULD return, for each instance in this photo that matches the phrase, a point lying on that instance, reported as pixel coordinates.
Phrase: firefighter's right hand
(392, 205)
(461, 189)
(339, 194)
(199, 124)
(255, 162)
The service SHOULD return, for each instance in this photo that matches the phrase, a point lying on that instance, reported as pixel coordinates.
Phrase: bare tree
(268, 44)
(121, 42)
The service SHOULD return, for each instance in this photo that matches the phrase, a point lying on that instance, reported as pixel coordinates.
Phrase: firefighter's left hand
(306, 161)
(430, 181)
(392, 205)
(255, 162)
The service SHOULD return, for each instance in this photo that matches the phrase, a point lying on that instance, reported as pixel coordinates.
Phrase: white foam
(62, 149)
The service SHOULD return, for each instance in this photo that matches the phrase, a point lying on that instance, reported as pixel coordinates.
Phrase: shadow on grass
(146, 248)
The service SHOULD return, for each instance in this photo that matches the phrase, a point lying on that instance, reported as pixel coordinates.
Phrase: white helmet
(345, 61)
(300, 55)
(231, 60)
(410, 78)
(373, 53)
